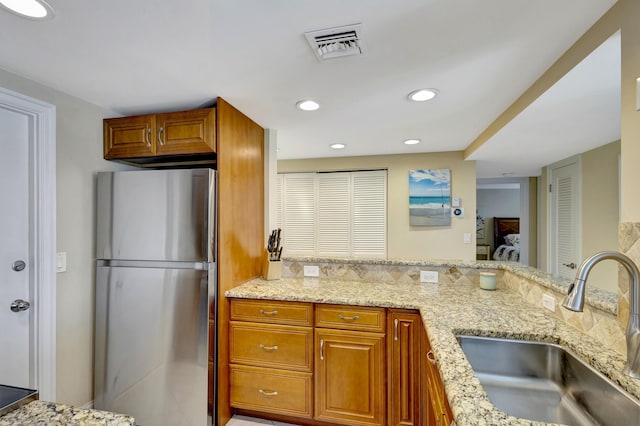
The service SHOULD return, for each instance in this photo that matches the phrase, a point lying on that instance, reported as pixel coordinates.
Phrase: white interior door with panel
(15, 258)
(27, 249)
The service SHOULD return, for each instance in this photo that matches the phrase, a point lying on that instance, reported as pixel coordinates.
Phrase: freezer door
(151, 350)
(161, 215)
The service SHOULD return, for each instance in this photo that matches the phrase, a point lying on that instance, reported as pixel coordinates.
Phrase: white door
(16, 323)
(564, 236)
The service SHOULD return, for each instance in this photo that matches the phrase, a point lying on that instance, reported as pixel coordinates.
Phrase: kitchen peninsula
(455, 305)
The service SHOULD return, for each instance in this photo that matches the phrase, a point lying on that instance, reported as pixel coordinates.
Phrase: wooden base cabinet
(271, 357)
(436, 406)
(404, 332)
(350, 377)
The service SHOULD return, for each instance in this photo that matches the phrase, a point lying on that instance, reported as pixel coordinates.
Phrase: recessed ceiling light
(32, 9)
(307, 105)
(337, 145)
(422, 95)
(411, 141)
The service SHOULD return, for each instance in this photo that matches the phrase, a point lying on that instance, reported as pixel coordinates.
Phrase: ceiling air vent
(337, 42)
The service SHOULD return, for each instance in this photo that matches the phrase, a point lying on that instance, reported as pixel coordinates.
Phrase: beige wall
(79, 156)
(630, 148)
(600, 211)
(405, 242)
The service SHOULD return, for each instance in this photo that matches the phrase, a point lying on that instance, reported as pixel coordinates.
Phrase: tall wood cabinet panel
(403, 341)
(240, 222)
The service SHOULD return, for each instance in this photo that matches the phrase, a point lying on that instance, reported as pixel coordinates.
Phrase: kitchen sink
(12, 397)
(545, 382)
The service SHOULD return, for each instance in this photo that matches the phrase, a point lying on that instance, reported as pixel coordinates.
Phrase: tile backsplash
(601, 324)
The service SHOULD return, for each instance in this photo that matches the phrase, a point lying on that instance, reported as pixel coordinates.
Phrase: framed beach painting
(430, 197)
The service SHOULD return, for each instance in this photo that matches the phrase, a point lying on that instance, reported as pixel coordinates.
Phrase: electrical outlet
(311, 271)
(549, 302)
(61, 261)
(428, 276)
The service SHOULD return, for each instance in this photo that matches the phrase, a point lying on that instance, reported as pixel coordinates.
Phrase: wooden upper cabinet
(403, 336)
(186, 132)
(173, 133)
(129, 137)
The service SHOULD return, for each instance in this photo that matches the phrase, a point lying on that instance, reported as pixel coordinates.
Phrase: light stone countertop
(42, 413)
(447, 310)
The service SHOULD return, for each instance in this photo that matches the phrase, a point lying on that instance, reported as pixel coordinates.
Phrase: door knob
(18, 265)
(570, 265)
(20, 305)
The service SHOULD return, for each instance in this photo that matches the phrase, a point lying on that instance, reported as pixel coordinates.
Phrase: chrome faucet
(575, 301)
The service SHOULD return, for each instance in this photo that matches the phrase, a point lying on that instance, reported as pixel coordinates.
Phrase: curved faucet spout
(575, 302)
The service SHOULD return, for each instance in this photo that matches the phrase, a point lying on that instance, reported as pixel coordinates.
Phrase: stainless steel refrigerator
(155, 293)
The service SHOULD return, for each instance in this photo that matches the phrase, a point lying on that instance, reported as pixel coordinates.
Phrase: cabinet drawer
(288, 313)
(271, 391)
(350, 317)
(273, 346)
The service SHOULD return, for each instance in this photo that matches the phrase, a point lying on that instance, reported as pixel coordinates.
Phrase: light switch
(61, 261)
(455, 201)
(467, 238)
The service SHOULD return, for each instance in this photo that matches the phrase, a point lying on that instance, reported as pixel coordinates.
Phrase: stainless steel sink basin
(12, 397)
(545, 382)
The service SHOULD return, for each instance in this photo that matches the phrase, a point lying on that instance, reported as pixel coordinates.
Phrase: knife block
(271, 269)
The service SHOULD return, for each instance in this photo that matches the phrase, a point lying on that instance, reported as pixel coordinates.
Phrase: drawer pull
(395, 332)
(160, 131)
(147, 137)
(268, 393)
(269, 348)
(431, 357)
(353, 318)
(263, 312)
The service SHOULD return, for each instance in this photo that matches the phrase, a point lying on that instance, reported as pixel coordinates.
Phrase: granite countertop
(448, 310)
(42, 413)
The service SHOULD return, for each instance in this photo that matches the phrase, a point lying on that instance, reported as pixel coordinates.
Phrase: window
(342, 214)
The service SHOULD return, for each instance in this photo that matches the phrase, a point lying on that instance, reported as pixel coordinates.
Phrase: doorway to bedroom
(505, 211)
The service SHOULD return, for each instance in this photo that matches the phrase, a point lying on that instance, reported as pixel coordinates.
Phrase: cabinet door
(129, 137)
(350, 377)
(438, 405)
(186, 132)
(404, 330)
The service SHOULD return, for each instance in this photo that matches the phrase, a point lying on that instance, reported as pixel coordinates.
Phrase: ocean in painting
(429, 211)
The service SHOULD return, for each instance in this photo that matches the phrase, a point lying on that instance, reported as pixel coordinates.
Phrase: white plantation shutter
(565, 228)
(277, 202)
(299, 217)
(334, 214)
(342, 214)
(369, 214)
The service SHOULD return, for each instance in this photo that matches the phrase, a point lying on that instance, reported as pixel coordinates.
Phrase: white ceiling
(140, 56)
